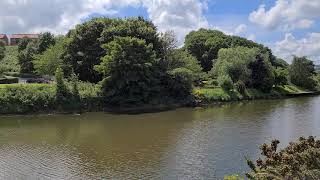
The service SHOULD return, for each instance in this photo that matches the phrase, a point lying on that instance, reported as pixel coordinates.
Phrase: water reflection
(200, 143)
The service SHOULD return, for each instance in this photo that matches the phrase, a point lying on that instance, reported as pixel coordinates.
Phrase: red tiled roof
(21, 36)
(2, 36)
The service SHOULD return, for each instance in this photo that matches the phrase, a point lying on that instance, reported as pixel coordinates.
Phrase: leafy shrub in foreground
(300, 160)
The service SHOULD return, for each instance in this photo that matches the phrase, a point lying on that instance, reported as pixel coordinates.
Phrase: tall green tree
(83, 49)
(45, 41)
(301, 72)
(47, 62)
(129, 68)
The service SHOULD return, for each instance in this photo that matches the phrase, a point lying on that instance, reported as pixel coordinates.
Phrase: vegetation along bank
(110, 63)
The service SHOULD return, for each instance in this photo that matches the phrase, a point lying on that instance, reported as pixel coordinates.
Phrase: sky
(288, 27)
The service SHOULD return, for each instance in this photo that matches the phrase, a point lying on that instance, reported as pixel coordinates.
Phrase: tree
(2, 50)
(262, 76)
(299, 160)
(23, 43)
(205, 44)
(47, 62)
(301, 72)
(45, 41)
(281, 76)
(25, 57)
(62, 91)
(233, 64)
(83, 49)
(129, 68)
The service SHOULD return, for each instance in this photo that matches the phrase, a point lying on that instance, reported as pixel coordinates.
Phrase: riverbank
(41, 99)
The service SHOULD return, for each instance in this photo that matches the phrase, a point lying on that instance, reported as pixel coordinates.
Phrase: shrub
(240, 87)
(299, 160)
(62, 91)
(225, 82)
(9, 80)
(26, 98)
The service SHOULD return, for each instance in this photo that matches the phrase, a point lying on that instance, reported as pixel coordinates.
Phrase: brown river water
(187, 143)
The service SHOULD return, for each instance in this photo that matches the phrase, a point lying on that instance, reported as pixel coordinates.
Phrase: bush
(240, 87)
(181, 82)
(225, 82)
(26, 98)
(299, 160)
(9, 80)
(281, 77)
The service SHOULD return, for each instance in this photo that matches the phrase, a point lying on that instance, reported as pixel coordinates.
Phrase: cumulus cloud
(308, 46)
(58, 16)
(287, 15)
(181, 16)
(242, 28)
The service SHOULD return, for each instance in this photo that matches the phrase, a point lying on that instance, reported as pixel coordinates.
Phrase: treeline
(135, 64)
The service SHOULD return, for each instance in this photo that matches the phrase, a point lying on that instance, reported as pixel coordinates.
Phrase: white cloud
(181, 16)
(58, 16)
(242, 28)
(308, 46)
(287, 14)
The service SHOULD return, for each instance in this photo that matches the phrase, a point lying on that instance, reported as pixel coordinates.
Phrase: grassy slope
(10, 61)
(210, 95)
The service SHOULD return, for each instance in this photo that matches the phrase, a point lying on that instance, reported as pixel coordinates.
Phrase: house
(15, 38)
(4, 38)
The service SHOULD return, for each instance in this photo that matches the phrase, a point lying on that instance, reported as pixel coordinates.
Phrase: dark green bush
(240, 87)
(9, 80)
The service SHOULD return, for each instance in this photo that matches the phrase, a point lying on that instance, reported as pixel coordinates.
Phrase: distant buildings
(15, 38)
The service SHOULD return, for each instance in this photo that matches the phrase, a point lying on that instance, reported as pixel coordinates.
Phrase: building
(15, 38)
(4, 38)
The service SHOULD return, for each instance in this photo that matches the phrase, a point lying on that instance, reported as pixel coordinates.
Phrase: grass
(10, 62)
(209, 95)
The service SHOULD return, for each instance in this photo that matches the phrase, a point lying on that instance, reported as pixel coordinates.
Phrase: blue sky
(287, 26)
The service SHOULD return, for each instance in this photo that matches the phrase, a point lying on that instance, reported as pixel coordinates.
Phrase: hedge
(9, 80)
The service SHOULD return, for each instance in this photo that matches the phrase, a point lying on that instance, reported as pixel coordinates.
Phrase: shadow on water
(187, 143)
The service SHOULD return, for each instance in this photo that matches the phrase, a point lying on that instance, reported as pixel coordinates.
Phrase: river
(187, 143)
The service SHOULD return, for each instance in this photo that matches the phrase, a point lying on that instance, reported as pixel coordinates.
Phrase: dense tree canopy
(28, 48)
(205, 44)
(84, 49)
(301, 73)
(247, 65)
(47, 62)
(129, 67)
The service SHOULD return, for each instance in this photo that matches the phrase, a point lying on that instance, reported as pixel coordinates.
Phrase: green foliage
(281, 76)
(280, 63)
(29, 48)
(8, 80)
(234, 62)
(225, 82)
(62, 92)
(233, 177)
(23, 43)
(240, 87)
(45, 41)
(2, 49)
(244, 64)
(25, 57)
(10, 62)
(180, 84)
(299, 160)
(84, 49)
(47, 62)
(129, 68)
(205, 44)
(17, 98)
(301, 72)
(262, 76)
